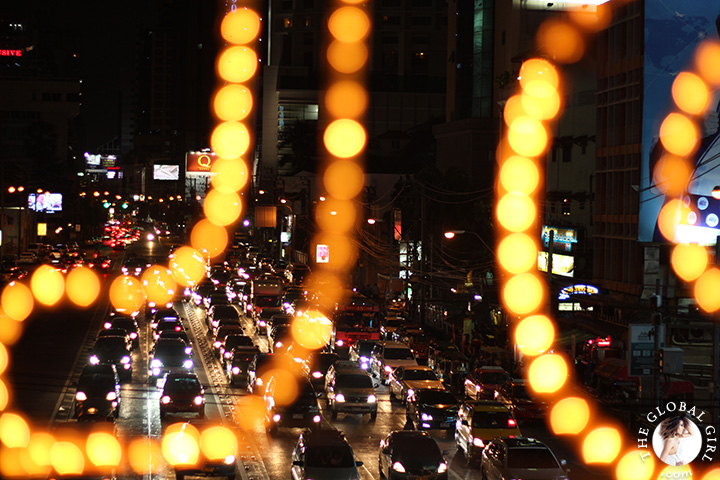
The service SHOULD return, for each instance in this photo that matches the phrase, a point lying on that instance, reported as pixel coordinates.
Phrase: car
(97, 395)
(514, 395)
(164, 313)
(360, 352)
(169, 355)
(114, 350)
(182, 393)
(27, 258)
(262, 318)
(405, 379)
(410, 454)
(324, 455)
(204, 466)
(387, 355)
(237, 365)
(222, 333)
(260, 364)
(432, 408)
(302, 411)
(389, 325)
(182, 335)
(483, 381)
(167, 323)
(222, 315)
(479, 422)
(127, 323)
(231, 341)
(279, 338)
(316, 366)
(351, 390)
(520, 457)
(118, 332)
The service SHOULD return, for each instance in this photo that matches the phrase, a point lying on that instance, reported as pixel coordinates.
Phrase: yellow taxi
(480, 421)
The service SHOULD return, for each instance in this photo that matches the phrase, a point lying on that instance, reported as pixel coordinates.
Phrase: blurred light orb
(689, 260)
(17, 301)
(516, 212)
(67, 458)
(145, 456)
(569, 416)
(344, 138)
(678, 134)
(523, 293)
(208, 238)
(538, 69)
(13, 465)
(344, 179)
(187, 266)
(707, 287)
(635, 465)
(527, 136)
(4, 358)
(82, 286)
(548, 373)
(541, 101)
(47, 285)
(233, 103)
(4, 396)
(158, 284)
(311, 330)
(230, 139)
(39, 448)
(222, 208)
(126, 294)
(250, 413)
(517, 253)
(671, 174)
(713, 474)
(237, 64)
(561, 41)
(535, 335)
(103, 449)
(218, 443)
(670, 217)
(602, 445)
(343, 219)
(14, 431)
(591, 21)
(690, 93)
(347, 57)
(231, 174)
(286, 385)
(519, 175)
(346, 99)
(349, 24)
(240, 27)
(513, 109)
(342, 250)
(10, 330)
(707, 61)
(180, 444)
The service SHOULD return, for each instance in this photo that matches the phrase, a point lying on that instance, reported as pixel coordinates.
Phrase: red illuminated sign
(10, 53)
(200, 162)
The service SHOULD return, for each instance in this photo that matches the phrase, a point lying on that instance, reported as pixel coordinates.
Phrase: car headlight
(478, 442)
(188, 350)
(188, 364)
(125, 359)
(372, 399)
(317, 418)
(364, 366)
(398, 467)
(410, 391)
(426, 417)
(259, 381)
(94, 359)
(388, 369)
(156, 363)
(228, 354)
(165, 399)
(278, 345)
(198, 400)
(261, 323)
(235, 370)
(111, 396)
(363, 359)
(340, 398)
(217, 344)
(80, 396)
(229, 460)
(276, 417)
(339, 343)
(317, 374)
(107, 325)
(442, 467)
(133, 335)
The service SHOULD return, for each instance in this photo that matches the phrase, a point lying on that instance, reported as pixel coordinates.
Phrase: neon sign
(11, 53)
(577, 289)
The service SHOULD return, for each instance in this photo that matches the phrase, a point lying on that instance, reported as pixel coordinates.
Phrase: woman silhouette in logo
(672, 431)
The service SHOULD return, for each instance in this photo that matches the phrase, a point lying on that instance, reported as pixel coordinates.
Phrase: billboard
(95, 163)
(673, 31)
(166, 172)
(45, 202)
(563, 238)
(562, 264)
(200, 162)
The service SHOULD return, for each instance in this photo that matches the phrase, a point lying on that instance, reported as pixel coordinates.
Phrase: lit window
(287, 22)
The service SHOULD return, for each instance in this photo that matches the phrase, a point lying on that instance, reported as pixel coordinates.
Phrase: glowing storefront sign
(200, 162)
(578, 289)
(322, 254)
(563, 238)
(11, 53)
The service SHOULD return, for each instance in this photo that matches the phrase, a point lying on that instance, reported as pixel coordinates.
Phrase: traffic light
(106, 204)
(655, 301)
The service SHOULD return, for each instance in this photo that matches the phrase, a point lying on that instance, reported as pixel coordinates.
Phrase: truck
(265, 292)
(357, 318)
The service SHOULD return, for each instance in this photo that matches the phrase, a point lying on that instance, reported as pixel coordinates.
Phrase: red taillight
(178, 328)
(512, 422)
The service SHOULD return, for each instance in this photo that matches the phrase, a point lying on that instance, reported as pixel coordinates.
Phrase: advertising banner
(673, 31)
(200, 162)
